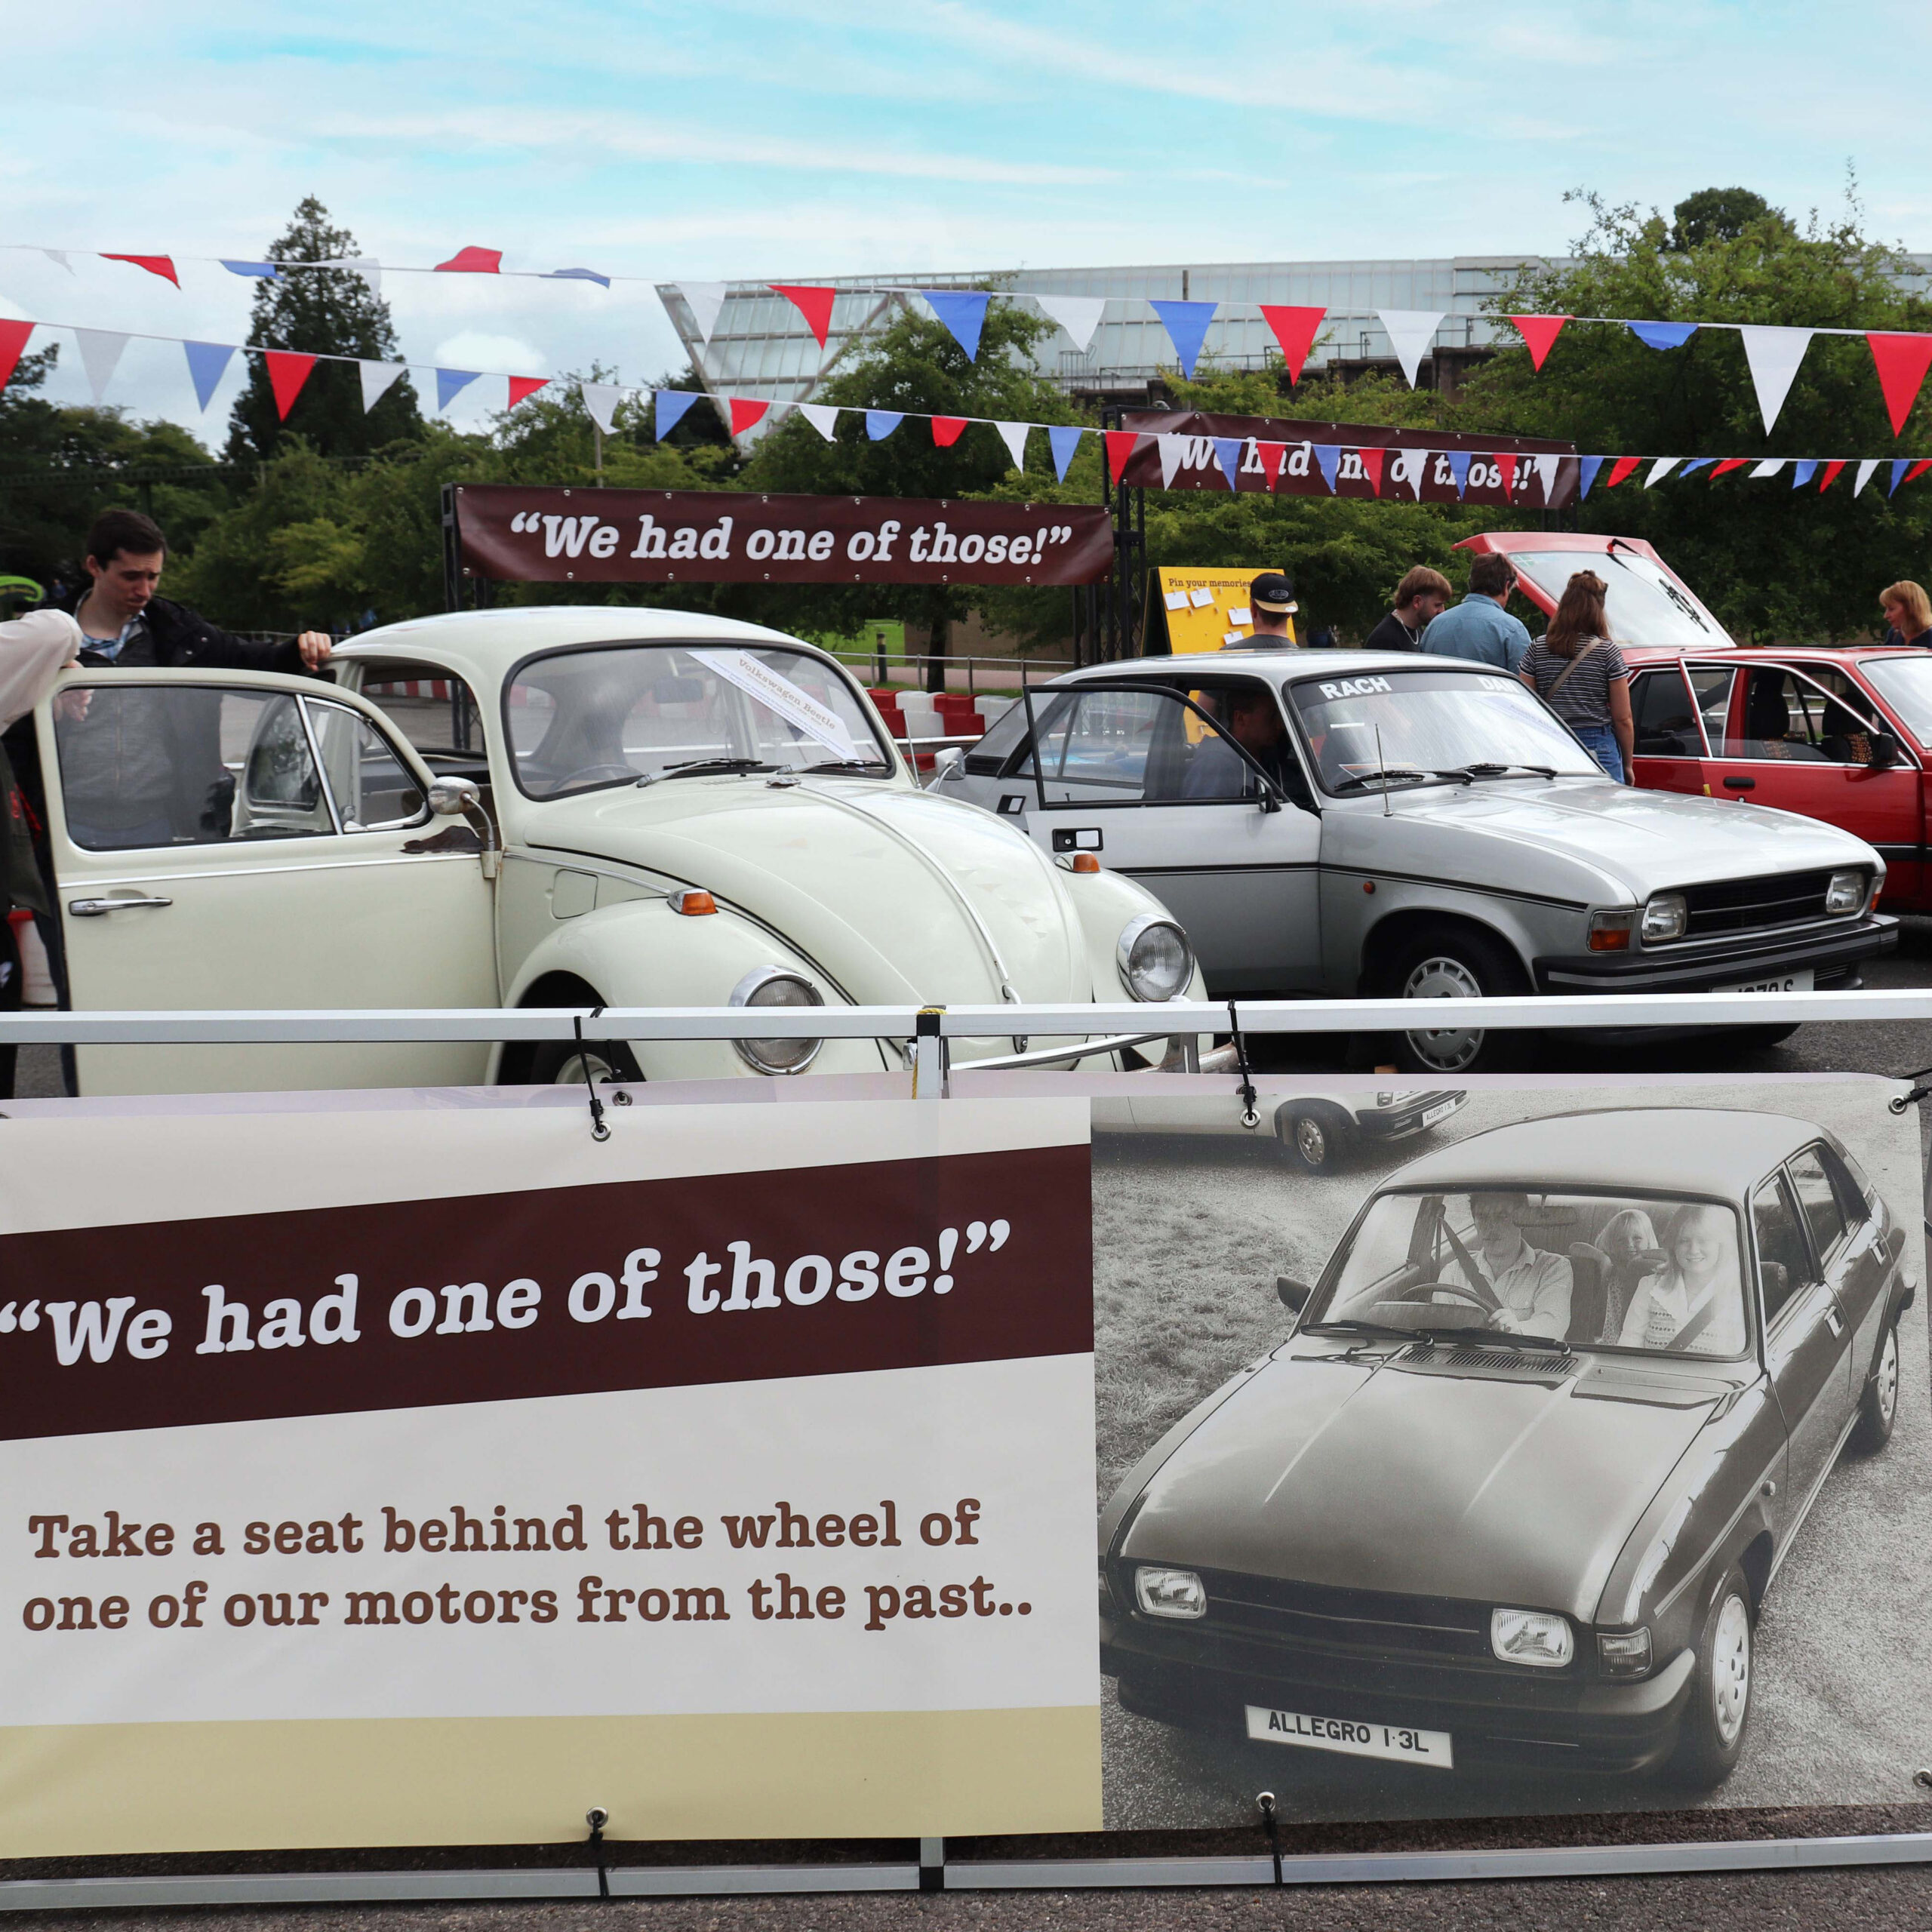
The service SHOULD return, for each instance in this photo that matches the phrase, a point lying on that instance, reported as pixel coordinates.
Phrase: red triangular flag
(1730, 463)
(473, 261)
(521, 386)
(1620, 469)
(1294, 329)
(1507, 465)
(1902, 360)
(1538, 332)
(746, 411)
(13, 340)
(946, 429)
(814, 304)
(1272, 455)
(1371, 463)
(161, 265)
(287, 372)
(1917, 470)
(1831, 476)
(1120, 446)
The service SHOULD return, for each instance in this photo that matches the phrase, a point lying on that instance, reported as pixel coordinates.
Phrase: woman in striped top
(1581, 675)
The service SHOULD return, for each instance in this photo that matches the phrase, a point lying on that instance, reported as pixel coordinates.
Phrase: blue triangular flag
(1899, 465)
(1662, 335)
(1587, 470)
(1329, 455)
(208, 361)
(1064, 442)
(261, 271)
(1229, 449)
(1696, 463)
(1459, 467)
(1187, 325)
(672, 405)
(577, 274)
(1803, 471)
(880, 423)
(451, 383)
(964, 312)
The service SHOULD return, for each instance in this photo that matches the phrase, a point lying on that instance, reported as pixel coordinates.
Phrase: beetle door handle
(92, 908)
(1740, 784)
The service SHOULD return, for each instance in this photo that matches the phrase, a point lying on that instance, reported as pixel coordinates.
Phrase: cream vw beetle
(565, 807)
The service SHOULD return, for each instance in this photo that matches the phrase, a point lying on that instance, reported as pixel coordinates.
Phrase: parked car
(1427, 1529)
(1419, 828)
(573, 807)
(1316, 1127)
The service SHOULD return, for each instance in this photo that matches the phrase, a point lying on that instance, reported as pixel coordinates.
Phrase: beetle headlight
(1155, 961)
(1665, 917)
(775, 986)
(1538, 1637)
(1171, 1593)
(1845, 893)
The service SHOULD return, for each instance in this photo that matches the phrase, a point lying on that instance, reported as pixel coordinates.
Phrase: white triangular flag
(1408, 468)
(378, 379)
(59, 255)
(1864, 470)
(366, 266)
(1078, 315)
(1660, 469)
(1411, 333)
(1174, 454)
(1014, 435)
(1769, 467)
(704, 300)
(100, 350)
(1773, 356)
(823, 416)
(1546, 466)
(600, 401)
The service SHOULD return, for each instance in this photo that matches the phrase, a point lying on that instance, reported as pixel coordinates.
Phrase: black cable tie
(597, 1818)
(1271, 1823)
(599, 1130)
(1250, 1115)
(1899, 1102)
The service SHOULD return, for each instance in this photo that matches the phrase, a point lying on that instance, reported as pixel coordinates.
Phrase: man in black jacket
(1419, 597)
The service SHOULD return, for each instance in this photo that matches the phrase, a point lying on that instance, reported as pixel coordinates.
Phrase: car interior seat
(1767, 719)
(1589, 1291)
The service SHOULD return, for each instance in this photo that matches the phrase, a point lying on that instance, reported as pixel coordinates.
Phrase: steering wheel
(1424, 1291)
(585, 773)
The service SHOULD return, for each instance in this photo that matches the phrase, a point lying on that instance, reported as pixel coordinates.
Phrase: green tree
(326, 312)
(1718, 214)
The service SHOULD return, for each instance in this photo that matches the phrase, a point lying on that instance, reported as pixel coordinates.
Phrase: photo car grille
(1541, 1364)
(1368, 1620)
(1746, 905)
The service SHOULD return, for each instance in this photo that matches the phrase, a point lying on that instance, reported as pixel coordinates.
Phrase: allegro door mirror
(1294, 1295)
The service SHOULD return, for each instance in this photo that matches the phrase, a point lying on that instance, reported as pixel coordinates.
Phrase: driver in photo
(1532, 1288)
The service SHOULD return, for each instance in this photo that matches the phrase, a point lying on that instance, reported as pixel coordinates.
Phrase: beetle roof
(1674, 1150)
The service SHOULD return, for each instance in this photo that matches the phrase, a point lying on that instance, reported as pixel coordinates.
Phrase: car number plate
(1441, 1110)
(1351, 1737)
(1779, 982)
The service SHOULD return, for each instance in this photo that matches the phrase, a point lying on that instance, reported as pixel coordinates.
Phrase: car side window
(990, 757)
(1788, 718)
(1784, 1262)
(1138, 747)
(372, 788)
(1823, 1210)
(1711, 688)
(1664, 714)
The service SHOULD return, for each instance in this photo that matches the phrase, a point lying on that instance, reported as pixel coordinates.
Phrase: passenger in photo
(1630, 1240)
(1696, 1305)
(1532, 1287)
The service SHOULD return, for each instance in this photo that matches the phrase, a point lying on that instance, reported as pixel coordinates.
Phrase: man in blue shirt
(1480, 628)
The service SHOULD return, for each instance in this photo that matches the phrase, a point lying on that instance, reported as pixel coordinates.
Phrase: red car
(1842, 735)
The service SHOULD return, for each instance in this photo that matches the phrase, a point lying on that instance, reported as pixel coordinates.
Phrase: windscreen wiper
(1385, 773)
(847, 764)
(1496, 1337)
(1487, 769)
(697, 768)
(1379, 1329)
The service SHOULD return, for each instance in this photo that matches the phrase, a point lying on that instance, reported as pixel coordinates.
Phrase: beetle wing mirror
(1293, 1294)
(449, 796)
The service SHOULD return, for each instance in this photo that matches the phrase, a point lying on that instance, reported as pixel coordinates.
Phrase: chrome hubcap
(1888, 1375)
(1450, 1049)
(1730, 1669)
(1311, 1142)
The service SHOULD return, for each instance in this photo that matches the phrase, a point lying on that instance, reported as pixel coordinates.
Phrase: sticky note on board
(1241, 616)
(1233, 637)
(1199, 596)
(1176, 600)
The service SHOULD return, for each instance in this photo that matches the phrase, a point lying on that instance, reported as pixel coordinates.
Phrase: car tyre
(1459, 962)
(1878, 1407)
(1711, 1738)
(1312, 1141)
(561, 1063)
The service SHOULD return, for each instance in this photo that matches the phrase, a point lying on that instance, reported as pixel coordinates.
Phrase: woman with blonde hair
(1695, 1304)
(1630, 1240)
(1576, 669)
(1909, 611)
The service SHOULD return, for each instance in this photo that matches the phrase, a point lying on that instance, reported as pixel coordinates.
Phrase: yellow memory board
(1204, 608)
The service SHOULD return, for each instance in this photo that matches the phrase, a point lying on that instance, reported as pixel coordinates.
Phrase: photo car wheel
(561, 1063)
(1311, 1140)
(1453, 964)
(1712, 1738)
(1878, 1407)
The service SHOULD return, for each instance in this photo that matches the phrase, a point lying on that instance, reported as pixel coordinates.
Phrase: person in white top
(1696, 1305)
(33, 649)
(1534, 1287)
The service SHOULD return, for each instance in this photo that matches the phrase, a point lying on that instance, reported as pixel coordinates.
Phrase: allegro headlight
(1155, 961)
(1171, 1593)
(1665, 917)
(775, 986)
(1845, 893)
(1624, 1653)
(1538, 1637)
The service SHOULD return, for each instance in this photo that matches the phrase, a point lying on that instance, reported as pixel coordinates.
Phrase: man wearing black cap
(1271, 599)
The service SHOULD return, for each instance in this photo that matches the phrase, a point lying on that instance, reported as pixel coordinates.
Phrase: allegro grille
(1746, 905)
(1361, 1620)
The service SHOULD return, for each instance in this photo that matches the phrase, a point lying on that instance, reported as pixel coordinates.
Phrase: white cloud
(472, 349)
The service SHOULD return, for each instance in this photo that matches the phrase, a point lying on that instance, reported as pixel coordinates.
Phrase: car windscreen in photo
(621, 714)
(1413, 728)
(1613, 1271)
(1644, 603)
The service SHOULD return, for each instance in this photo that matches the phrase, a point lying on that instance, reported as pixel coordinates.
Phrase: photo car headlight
(1665, 918)
(1538, 1637)
(1624, 1653)
(1171, 1593)
(1155, 961)
(774, 986)
(1845, 893)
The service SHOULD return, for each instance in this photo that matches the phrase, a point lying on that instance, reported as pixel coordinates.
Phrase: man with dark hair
(1480, 628)
(1419, 598)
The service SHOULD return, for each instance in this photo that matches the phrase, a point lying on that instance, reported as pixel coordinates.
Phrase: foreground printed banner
(401, 1473)
(547, 535)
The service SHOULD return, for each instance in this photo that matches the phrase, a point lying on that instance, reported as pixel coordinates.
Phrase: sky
(736, 138)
